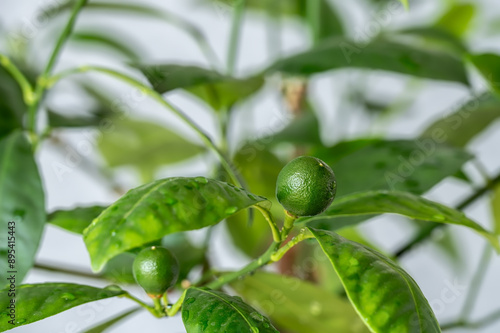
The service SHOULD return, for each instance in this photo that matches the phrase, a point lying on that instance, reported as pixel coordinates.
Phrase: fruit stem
(304, 234)
(287, 225)
(269, 218)
(153, 311)
(175, 308)
(157, 303)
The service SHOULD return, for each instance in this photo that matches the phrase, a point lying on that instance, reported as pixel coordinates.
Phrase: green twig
(269, 218)
(175, 308)
(158, 97)
(304, 234)
(427, 232)
(151, 309)
(23, 82)
(42, 80)
(239, 11)
(475, 285)
(287, 225)
(483, 322)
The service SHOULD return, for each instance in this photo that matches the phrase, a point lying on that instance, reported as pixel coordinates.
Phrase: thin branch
(239, 11)
(23, 82)
(483, 322)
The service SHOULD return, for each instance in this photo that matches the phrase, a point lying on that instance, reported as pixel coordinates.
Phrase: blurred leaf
(22, 201)
(495, 204)
(448, 245)
(145, 145)
(459, 128)
(57, 120)
(302, 130)
(188, 255)
(386, 298)
(219, 91)
(378, 55)
(154, 210)
(405, 165)
(298, 306)
(433, 38)
(35, 302)
(100, 328)
(75, 220)
(489, 65)
(260, 168)
(395, 202)
(111, 41)
(330, 22)
(211, 311)
(457, 20)
(119, 269)
(12, 107)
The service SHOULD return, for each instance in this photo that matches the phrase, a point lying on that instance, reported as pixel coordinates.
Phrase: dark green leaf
(395, 202)
(21, 201)
(330, 24)
(298, 306)
(260, 168)
(104, 326)
(435, 38)
(188, 255)
(377, 55)
(303, 130)
(154, 210)
(59, 120)
(457, 19)
(489, 65)
(219, 91)
(404, 165)
(119, 269)
(12, 107)
(111, 41)
(211, 311)
(75, 220)
(38, 301)
(384, 295)
(144, 145)
(460, 127)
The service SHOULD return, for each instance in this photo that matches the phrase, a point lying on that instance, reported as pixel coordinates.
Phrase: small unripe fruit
(155, 270)
(306, 186)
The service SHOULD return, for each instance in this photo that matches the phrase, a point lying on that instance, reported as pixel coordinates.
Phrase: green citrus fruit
(306, 186)
(155, 270)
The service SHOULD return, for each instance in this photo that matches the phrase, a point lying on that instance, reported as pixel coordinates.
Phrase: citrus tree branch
(23, 82)
(42, 80)
(425, 233)
(228, 166)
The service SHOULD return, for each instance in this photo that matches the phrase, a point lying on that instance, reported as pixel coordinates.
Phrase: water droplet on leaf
(257, 316)
(68, 297)
(190, 300)
(231, 210)
(201, 180)
(315, 308)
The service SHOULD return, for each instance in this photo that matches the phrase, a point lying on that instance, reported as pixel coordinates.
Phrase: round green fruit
(155, 270)
(306, 186)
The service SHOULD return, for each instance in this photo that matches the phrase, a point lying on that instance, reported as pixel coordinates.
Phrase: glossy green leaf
(457, 20)
(403, 165)
(378, 55)
(12, 107)
(298, 306)
(107, 40)
(100, 328)
(145, 146)
(75, 220)
(38, 301)
(260, 168)
(219, 91)
(489, 65)
(154, 210)
(460, 127)
(396, 202)
(495, 204)
(22, 201)
(211, 311)
(386, 298)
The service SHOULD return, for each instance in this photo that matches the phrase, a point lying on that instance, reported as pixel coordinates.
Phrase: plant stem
(304, 234)
(475, 285)
(485, 321)
(158, 97)
(158, 306)
(269, 218)
(427, 232)
(144, 305)
(26, 87)
(239, 11)
(259, 262)
(67, 271)
(287, 225)
(175, 308)
(41, 84)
